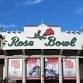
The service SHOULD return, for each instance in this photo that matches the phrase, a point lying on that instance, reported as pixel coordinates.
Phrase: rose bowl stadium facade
(41, 53)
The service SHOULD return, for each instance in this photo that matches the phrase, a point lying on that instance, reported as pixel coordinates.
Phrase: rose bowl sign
(38, 38)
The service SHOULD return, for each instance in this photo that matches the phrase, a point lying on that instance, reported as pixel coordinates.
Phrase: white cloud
(36, 1)
(79, 11)
(9, 9)
(8, 26)
(29, 2)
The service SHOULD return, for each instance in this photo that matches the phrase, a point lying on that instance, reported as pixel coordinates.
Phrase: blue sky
(14, 14)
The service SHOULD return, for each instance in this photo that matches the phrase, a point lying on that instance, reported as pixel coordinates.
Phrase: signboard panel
(51, 67)
(69, 68)
(15, 69)
(42, 39)
(33, 68)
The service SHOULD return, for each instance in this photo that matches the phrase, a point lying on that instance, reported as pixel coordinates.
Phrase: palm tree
(2, 41)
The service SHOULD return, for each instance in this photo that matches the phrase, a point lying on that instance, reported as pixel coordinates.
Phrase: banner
(69, 68)
(15, 69)
(33, 68)
(51, 67)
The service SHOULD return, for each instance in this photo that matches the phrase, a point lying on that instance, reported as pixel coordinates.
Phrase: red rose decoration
(49, 32)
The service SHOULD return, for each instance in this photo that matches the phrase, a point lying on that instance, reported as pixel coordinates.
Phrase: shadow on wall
(48, 81)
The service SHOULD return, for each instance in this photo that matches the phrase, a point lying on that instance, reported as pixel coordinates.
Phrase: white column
(23, 68)
(60, 70)
(23, 71)
(77, 71)
(5, 70)
(42, 69)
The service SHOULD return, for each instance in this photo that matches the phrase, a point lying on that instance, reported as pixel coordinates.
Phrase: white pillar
(77, 71)
(60, 70)
(5, 70)
(42, 69)
(23, 68)
(23, 71)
